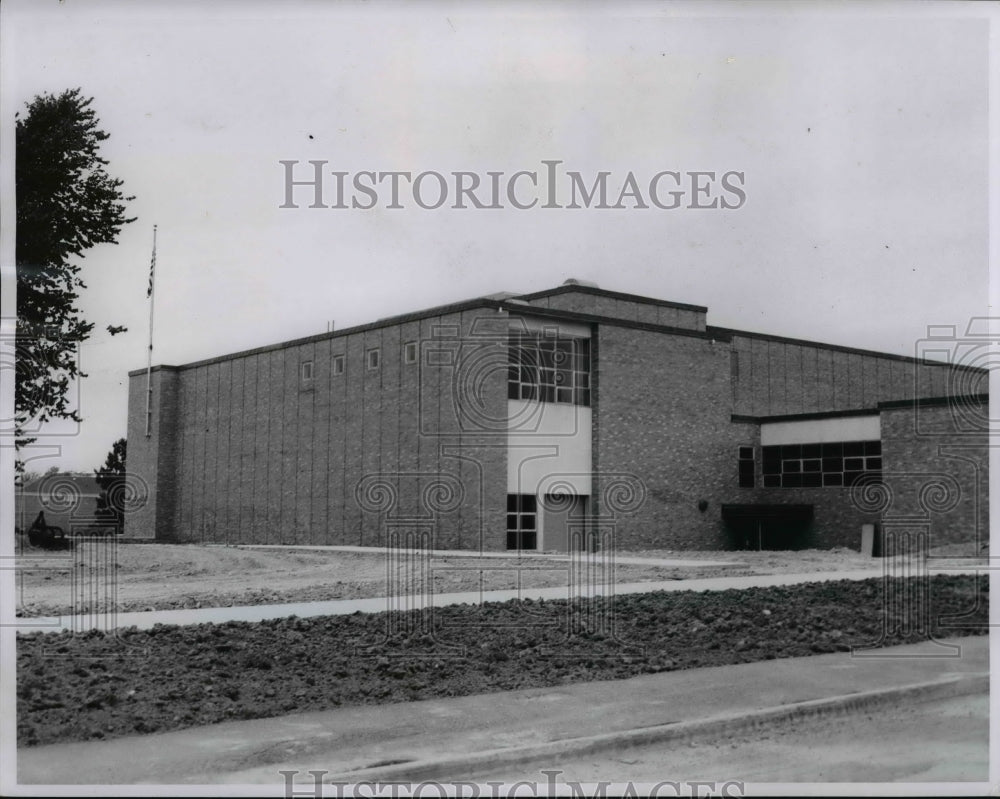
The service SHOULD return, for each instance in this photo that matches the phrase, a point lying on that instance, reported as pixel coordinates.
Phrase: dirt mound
(95, 685)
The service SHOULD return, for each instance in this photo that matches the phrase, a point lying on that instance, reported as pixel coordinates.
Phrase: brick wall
(935, 461)
(244, 451)
(663, 415)
(632, 310)
(774, 377)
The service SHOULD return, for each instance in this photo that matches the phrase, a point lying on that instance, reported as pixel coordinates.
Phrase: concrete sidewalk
(345, 741)
(683, 563)
(143, 620)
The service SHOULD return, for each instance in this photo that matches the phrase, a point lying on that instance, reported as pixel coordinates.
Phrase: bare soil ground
(95, 685)
(162, 576)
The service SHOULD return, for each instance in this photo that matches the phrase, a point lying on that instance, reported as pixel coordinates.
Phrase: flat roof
(516, 304)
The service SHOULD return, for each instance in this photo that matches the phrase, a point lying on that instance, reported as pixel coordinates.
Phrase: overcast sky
(862, 138)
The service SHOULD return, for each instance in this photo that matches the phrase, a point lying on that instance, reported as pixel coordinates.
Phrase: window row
(373, 359)
(549, 369)
(820, 465)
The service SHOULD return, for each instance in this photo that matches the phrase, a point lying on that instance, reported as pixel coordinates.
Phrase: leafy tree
(111, 479)
(66, 204)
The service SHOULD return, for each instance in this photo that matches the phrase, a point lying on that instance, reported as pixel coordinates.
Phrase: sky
(860, 131)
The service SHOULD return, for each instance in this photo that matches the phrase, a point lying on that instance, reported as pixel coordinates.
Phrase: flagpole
(149, 362)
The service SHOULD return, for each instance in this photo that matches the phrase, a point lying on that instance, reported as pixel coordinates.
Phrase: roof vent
(574, 282)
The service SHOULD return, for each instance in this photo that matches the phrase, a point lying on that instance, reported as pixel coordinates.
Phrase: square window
(873, 448)
(338, 364)
(373, 358)
(873, 464)
(410, 352)
(746, 453)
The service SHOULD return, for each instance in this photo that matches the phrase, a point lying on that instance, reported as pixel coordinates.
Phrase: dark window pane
(833, 464)
(583, 397)
(791, 451)
(512, 503)
(811, 466)
(791, 467)
(811, 450)
(791, 480)
(836, 479)
(873, 464)
(511, 521)
(529, 503)
(772, 467)
(513, 391)
(812, 480)
(528, 541)
(564, 395)
(834, 450)
(772, 481)
(854, 448)
(548, 394)
(850, 478)
(746, 453)
(854, 464)
(526, 521)
(512, 539)
(873, 448)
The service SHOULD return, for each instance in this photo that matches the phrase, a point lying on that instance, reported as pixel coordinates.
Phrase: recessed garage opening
(774, 527)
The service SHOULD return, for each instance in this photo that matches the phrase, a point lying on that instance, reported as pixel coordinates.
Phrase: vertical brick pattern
(244, 451)
(778, 377)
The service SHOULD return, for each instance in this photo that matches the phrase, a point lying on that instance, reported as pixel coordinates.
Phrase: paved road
(146, 619)
(936, 741)
(352, 738)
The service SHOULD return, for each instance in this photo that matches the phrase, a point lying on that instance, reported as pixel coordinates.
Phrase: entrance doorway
(563, 520)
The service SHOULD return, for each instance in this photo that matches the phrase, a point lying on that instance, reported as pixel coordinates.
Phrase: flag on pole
(152, 266)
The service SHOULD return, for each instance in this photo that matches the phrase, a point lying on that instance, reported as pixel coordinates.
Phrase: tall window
(549, 369)
(746, 461)
(835, 464)
(338, 364)
(522, 521)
